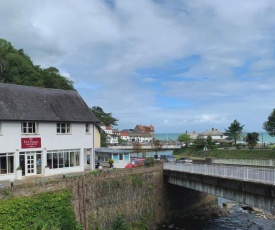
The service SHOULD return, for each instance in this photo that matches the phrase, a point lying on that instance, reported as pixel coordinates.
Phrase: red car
(135, 163)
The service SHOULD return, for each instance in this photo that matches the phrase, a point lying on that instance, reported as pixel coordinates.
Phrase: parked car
(97, 164)
(168, 158)
(184, 160)
(138, 162)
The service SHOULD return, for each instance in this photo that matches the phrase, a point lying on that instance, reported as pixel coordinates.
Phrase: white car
(184, 160)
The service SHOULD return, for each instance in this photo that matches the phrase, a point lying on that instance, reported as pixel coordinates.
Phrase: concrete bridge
(254, 186)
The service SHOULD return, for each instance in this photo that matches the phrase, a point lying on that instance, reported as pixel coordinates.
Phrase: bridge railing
(255, 162)
(263, 175)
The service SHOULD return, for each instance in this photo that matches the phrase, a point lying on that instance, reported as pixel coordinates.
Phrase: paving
(36, 178)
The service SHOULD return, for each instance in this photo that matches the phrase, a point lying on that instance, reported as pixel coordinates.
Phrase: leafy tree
(252, 139)
(106, 118)
(17, 68)
(103, 139)
(157, 145)
(137, 147)
(185, 138)
(209, 140)
(269, 125)
(199, 143)
(234, 131)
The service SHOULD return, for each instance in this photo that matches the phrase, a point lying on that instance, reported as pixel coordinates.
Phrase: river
(238, 219)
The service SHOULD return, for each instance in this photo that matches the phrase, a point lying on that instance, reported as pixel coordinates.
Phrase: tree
(106, 118)
(269, 125)
(185, 138)
(209, 141)
(157, 145)
(199, 143)
(137, 147)
(103, 139)
(234, 131)
(17, 68)
(252, 139)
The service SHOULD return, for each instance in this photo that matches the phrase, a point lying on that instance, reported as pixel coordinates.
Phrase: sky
(179, 65)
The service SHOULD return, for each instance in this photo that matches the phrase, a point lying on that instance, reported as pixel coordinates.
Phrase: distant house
(216, 135)
(140, 137)
(193, 135)
(144, 129)
(112, 134)
(45, 131)
(124, 136)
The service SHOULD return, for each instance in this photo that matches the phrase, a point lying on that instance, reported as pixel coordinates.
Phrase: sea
(264, 137)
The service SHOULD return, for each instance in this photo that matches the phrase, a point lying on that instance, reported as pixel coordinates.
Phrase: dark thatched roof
(27, 103)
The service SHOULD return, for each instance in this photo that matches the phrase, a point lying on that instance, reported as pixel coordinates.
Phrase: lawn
(226, 153)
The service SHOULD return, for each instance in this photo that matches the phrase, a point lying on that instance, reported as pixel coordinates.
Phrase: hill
(17, 68)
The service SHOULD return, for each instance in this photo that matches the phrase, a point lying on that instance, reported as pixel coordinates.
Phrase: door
(30, 164)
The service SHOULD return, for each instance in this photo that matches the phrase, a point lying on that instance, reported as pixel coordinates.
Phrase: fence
(262, 175)
(255, 162)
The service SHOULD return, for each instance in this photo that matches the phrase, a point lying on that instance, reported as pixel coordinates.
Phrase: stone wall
(97, 199)
(139, 194)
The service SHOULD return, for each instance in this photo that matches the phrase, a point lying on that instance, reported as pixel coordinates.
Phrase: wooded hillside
(17, 68)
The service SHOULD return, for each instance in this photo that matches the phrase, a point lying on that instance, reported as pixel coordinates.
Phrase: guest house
(45, 132)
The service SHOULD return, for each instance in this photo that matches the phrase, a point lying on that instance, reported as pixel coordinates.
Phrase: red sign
(28, 143)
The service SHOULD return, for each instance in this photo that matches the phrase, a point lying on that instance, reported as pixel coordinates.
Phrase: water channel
(237, 219)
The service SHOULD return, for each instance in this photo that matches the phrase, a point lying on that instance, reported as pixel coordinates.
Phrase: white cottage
(44, 131)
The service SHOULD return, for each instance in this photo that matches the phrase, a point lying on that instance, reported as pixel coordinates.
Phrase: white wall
(10, 142)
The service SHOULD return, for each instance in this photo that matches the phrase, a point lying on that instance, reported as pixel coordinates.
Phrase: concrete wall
(254, 194)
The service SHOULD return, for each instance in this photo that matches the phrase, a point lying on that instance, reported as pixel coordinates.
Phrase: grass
(194, 153)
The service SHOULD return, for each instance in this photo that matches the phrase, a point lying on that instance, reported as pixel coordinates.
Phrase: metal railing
(255, 162)
(245, 173)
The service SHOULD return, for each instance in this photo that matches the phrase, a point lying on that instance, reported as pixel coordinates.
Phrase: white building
(112, 134)
(112, 139)
(214, 134)
(44, 131)
(121, 157)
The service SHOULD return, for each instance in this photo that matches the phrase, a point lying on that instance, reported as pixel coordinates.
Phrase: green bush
(120, 224)
(149, 162)
(50, 210)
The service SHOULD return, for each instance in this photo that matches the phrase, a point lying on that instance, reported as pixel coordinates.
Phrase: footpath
(39, 178)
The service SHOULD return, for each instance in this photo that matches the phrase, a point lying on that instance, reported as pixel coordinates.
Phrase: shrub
(120, 223)
(149, 162)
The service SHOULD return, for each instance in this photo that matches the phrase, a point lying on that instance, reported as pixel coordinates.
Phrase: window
(63, 158)
(6, 163)
(63, 127)
(28, 127)
(87, 128)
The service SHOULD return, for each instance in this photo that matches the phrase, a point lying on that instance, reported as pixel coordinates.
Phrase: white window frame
(63, 128)
(29, 127)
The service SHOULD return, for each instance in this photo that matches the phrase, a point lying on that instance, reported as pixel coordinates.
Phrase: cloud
(175, 64)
